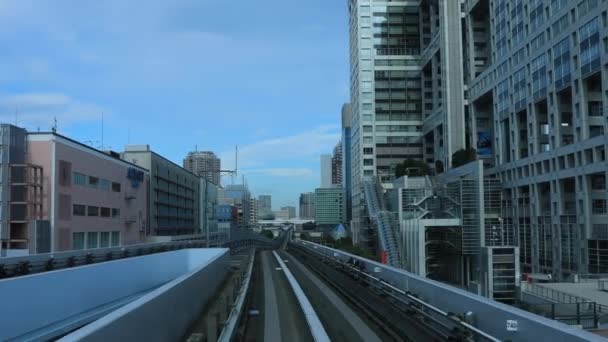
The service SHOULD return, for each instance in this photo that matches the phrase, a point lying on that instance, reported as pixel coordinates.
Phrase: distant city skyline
(168, 78)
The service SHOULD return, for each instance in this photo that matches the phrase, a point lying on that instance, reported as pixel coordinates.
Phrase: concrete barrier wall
(41, 300)
(165, 313)
(491, 316)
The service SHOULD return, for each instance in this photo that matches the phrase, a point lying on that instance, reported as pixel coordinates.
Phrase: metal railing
(552, 294)
(37, 263)
(383, 219)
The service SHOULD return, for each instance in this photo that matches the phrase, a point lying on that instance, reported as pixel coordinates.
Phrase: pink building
(92, 199)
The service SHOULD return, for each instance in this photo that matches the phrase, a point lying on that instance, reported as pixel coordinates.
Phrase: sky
(269, 76)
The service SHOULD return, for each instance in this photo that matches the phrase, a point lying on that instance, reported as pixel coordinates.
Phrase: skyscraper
(205, 164)
(307, 206)
(326, 170)
(522, 82)
(336, 165)
(346, 159)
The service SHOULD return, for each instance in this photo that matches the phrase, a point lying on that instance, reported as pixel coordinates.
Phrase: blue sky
(268, 75)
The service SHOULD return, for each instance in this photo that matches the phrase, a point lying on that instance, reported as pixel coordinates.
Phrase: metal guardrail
(552, 294)
(500, 321)
(37, 263)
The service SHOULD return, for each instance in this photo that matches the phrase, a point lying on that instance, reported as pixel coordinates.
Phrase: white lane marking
(316, 327)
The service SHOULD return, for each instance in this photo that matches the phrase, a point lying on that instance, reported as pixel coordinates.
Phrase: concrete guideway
(283, 318)
(316, 327)
(341, 321)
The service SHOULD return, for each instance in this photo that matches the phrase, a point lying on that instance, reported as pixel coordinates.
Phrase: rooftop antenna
(54, 128)
(236, 163)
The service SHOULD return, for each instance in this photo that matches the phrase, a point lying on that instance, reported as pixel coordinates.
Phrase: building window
(92, 211)
(115, 239)
(104, 184)
(93, 182)
(77, 241)
(368, 150)
(79, 210)
(368, 162)
(115, 212)
(116, 187)
(590, 46)
(104, 239)
(598, 207)
(105, 212)
(80, 179)
(92, 240)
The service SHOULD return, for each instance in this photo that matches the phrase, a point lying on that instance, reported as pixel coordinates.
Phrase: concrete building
(326, 170)
(90, 198)
(346, 159)
(453, 229)
(265, 207)
(282, 214)
(21, 195)
(253, 216)
(330, 206)
(522, 82)
(538, 95)
(174, 193)
(386, 97)
(205, 164)
(307, 206)
(291, 211)
(336, 165)
(238, 195)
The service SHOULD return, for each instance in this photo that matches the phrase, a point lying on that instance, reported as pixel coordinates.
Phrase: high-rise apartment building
(326, 179)
(307, 206)
(336, 165)
(205, 164)
(265, 207)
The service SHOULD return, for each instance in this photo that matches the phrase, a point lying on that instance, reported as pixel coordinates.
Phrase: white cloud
(33, 110)
(298, 148)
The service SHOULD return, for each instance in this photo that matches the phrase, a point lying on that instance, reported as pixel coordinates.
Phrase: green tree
(412, 167)
(462, 157)
(267, 233)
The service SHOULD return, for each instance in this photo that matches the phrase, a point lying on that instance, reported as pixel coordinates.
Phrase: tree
(267, 233)
(412, 167)
(462, 157)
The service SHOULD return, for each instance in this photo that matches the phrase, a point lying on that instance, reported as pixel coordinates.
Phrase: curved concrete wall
(33, 305)
(166, 313)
